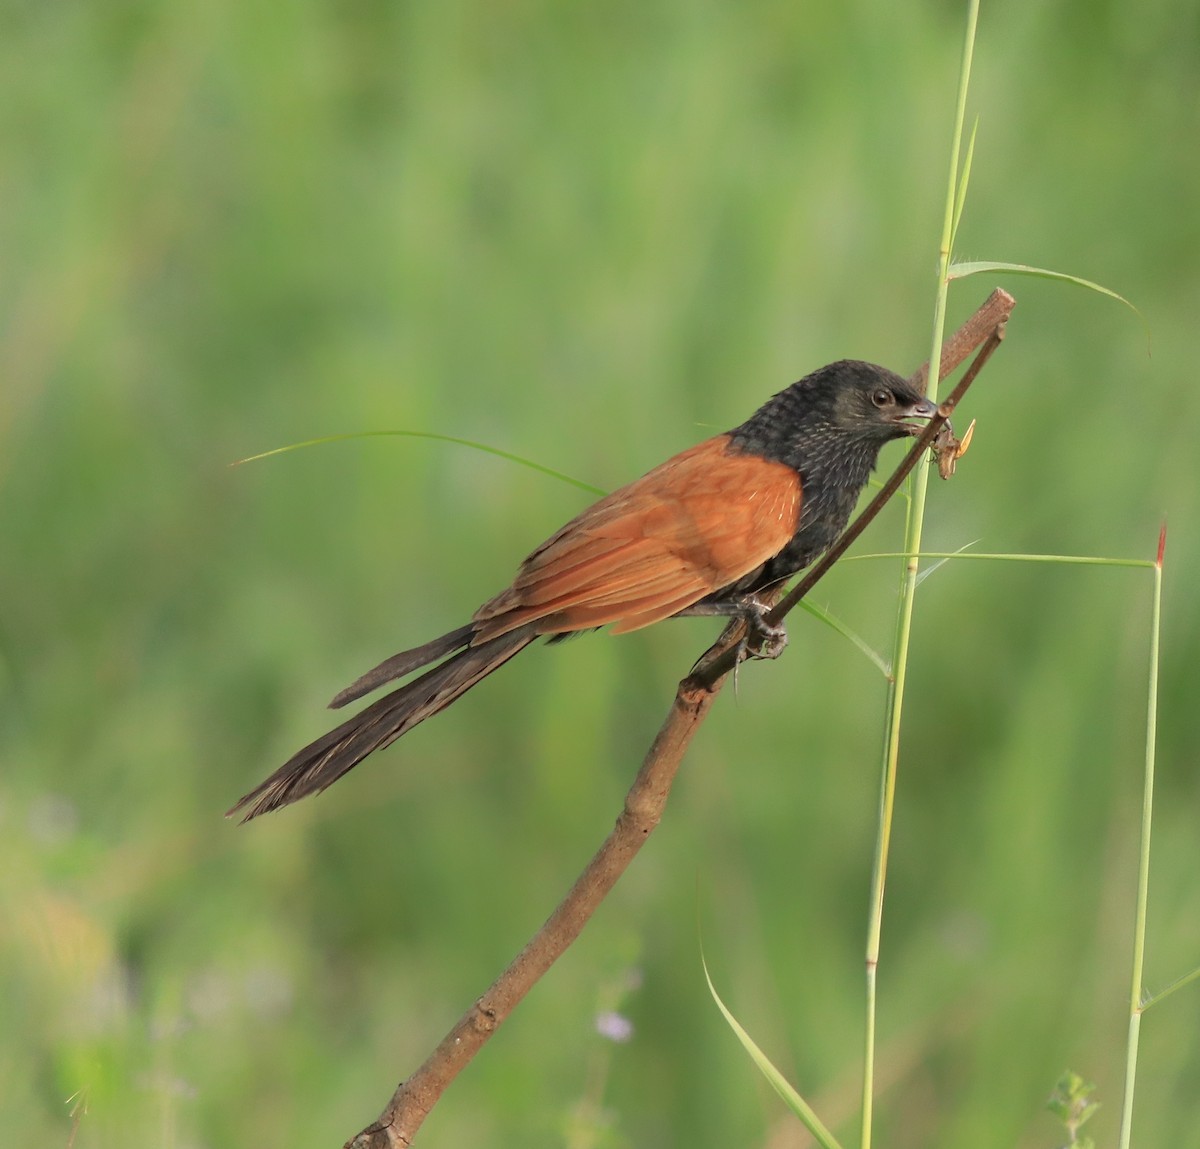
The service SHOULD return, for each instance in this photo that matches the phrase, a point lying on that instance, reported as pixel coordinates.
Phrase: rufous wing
(698, 522)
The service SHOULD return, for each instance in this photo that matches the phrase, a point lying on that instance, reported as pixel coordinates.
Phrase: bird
(705, 533)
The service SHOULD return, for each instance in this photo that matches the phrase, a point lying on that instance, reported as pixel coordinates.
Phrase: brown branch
(644, 804)
(992, 315)
(647, 797)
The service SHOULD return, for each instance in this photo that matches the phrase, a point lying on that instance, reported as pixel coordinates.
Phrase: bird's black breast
(824, 514)
(829, 494)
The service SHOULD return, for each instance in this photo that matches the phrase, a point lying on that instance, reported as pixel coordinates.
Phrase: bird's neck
(833, 466)
(789, 428)
(832, 476)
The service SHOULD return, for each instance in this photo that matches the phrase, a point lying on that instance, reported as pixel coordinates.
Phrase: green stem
(912, 544)
(1066, 560)
(1136, 1005)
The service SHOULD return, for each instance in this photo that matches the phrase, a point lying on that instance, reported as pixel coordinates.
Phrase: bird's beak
(913, 419)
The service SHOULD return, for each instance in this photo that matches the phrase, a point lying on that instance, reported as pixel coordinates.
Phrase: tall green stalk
(1136, 1004)
(908, 587)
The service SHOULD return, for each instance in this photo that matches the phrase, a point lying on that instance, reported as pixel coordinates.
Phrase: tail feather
(403, 663)
(324, 761)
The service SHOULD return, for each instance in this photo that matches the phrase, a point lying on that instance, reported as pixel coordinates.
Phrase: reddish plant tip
(1162, 543)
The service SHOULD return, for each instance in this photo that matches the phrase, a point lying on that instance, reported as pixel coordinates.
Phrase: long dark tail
(324, 761)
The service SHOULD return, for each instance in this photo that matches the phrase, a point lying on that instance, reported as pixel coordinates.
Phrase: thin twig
(647, 797)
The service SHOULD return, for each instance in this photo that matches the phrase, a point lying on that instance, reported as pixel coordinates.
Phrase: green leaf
(836, 623)
(437, 438)
(792, 1099)
(925, 572)
(1153, 999)
(1066, 560)
(963, 180)
(1071, 1103)
(985, 266)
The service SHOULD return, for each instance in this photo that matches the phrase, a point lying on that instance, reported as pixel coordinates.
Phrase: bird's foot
(762, 639)
(759, 638)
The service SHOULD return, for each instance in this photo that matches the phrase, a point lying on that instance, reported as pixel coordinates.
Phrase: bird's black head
(858, 401)
(839, 415)
(876, 403)
(829, 427)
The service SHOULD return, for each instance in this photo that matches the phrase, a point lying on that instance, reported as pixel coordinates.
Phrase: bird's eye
(882, 397)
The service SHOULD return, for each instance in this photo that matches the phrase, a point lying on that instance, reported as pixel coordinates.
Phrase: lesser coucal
(704, 533)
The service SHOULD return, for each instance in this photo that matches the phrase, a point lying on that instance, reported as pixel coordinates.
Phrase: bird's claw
(762, 639)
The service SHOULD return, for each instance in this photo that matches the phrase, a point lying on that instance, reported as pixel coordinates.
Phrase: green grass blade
(987, 266)
(779, 1083)
(940, 562)
(1177, 984)
(836, 623)
(1066, 560)
(918, 484)
(1136, 1007)
(963, 181)
(571, 480)
(816, 611)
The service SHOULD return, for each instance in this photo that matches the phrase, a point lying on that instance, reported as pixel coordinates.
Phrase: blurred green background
(590, 234)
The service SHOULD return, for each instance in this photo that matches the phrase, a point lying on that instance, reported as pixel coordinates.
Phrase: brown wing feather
(698, 522)
(566, 564)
